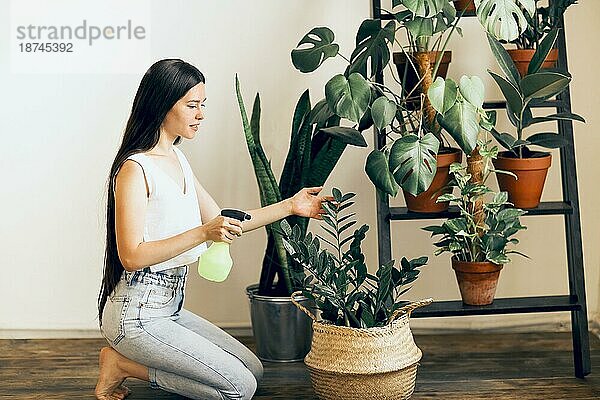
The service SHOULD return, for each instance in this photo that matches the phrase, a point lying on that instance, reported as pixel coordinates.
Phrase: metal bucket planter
(281, 331)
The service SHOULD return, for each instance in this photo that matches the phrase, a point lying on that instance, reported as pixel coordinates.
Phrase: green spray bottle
(215, 263)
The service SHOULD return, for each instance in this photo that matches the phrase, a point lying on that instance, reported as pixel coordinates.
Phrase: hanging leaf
(472, 90)
(413, 162)
(462, 124)
(309, 58)
(383, 112)
(377, 169)
(348, 97)
(442, 94)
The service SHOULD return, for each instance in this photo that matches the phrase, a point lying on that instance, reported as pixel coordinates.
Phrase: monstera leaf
(422, 8)
(378, 171)
(348, 98)
(309, 58)
(372, 43)
(413, 162)
(504, 19)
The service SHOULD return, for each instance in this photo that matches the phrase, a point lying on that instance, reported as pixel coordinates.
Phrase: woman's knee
(244, 386)
(256, 367)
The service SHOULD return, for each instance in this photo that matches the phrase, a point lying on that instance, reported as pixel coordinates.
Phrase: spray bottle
(215, 263)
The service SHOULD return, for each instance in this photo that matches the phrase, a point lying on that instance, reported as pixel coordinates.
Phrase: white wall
(61, 133)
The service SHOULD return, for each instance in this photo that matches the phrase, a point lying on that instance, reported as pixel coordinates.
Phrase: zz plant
(337, 279)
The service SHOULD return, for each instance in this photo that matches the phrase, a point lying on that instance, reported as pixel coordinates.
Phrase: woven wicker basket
(374, 363)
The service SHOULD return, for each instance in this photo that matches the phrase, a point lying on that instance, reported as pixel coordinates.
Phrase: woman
(159, 218)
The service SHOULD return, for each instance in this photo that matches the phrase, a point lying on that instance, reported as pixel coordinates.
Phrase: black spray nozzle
(237, 214)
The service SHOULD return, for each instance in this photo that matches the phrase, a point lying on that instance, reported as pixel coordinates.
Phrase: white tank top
(170, 211)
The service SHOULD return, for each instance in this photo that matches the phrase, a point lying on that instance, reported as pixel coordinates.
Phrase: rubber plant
(522, 92)
(335, 276)
(312, 155)
(408, 160)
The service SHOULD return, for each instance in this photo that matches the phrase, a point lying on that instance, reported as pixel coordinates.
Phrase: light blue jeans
(143, 320)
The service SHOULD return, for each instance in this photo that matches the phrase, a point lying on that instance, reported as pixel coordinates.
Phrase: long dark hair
(165, 82)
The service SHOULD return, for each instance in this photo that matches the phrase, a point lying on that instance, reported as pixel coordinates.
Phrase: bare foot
(111, 376)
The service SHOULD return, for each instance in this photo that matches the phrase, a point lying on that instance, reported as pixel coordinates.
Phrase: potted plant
(281, 332)
(410, 159)
(528, 167)
(544, 22)
(478, 239)
(362, 345)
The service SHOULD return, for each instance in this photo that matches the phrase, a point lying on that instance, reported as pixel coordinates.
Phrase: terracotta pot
(467, 5)
(477, 281)
(411, 75)
(522, 58)
(425, 202)
(526, 191)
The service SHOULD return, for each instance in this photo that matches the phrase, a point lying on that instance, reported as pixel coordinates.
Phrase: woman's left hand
(307, 203)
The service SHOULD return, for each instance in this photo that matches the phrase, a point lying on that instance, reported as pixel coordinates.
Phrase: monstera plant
(408, 160)
(505, 19)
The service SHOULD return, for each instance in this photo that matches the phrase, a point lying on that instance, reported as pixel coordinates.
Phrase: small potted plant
(479, 238)
(544, 23)
(311, 157)
(410, 158)
(528, 167)
(362, 346)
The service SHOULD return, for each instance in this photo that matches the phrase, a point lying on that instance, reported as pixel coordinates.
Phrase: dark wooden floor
(454, 367)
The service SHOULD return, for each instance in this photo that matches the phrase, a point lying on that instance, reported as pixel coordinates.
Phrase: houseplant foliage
(530, 167)
(337, 278)
(479, 238)
(544, 21)
(312, 155)
(504, 19)
(409, 158)
(469, 237)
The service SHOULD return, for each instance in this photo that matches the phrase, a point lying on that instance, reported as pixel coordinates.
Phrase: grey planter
(281, 331)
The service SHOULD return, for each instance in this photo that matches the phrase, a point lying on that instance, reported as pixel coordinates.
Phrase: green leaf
(442, 94)
(504, 19)
(422, 8)
(371, 43)
(413, 162)
(543, 85)
(472, 90)
(542, 52)
(320, 113)
(506, 140)
(504, 60)
(383, 112)
(348, 98)
(462, 124)
(511, 93)
(548, 140)
(309, 58)
(346, 135)
(420, 27)
(377, 169)
(554, 117)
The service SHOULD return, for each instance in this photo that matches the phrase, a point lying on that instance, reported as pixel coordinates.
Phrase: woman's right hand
(222, 229)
